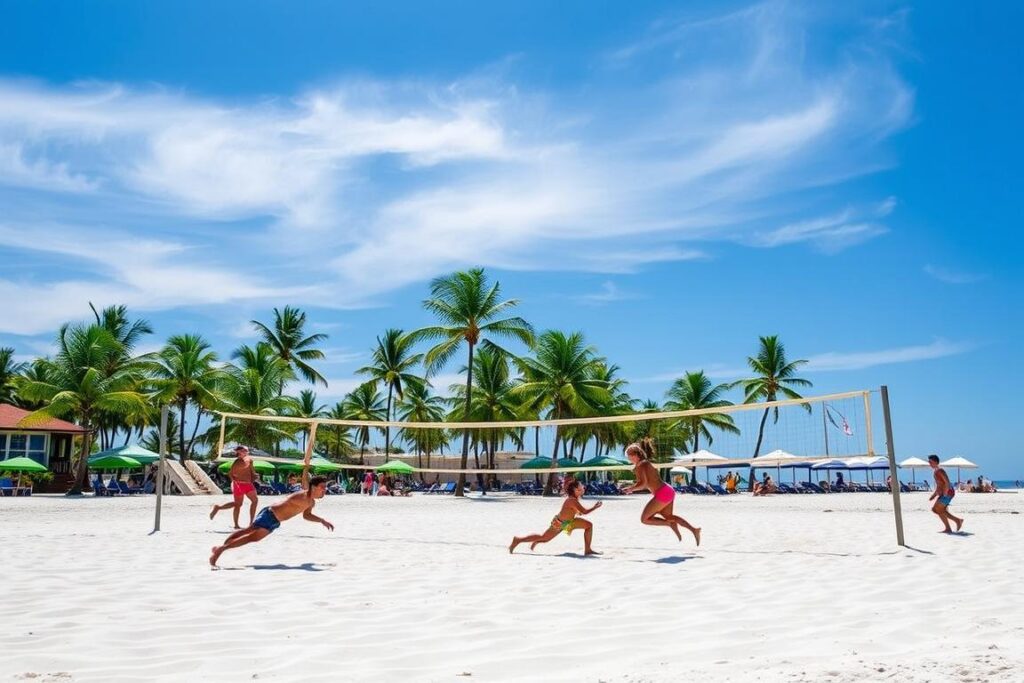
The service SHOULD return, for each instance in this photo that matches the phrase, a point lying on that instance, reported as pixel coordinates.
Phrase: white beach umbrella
(778, 458)
(701, 457)
(914, 464)
(958, 462)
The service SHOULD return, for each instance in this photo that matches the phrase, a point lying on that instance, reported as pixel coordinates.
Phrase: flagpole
(824, 425)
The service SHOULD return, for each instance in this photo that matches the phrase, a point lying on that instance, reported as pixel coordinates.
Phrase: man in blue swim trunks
(270, 517)
(944, 491)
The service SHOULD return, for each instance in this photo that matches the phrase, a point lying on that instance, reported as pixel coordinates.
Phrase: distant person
(367, 482)
(944, 492)
(270, 518)
(658, 511)
(293, 484)
(840, 484)
(243, 485)
(566, 520)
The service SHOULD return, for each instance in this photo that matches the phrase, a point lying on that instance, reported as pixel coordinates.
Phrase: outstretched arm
(310, 517)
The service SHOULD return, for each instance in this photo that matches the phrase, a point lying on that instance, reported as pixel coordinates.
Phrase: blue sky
(672, 180)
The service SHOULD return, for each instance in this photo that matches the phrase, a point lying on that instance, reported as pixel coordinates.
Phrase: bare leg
(652, 508)
(588, 535)
(218, 508)
(253, 500)
(236, 540)
(667, 513)
(940, 510)
(534, 539)
(237, 505)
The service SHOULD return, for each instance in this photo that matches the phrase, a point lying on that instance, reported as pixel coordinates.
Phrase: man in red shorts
(243, 478)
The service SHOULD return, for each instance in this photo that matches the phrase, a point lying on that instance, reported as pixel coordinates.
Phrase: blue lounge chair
(7, 487)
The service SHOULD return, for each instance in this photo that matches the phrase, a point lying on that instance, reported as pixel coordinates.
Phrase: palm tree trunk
(82, 474)
(181, 429)
(757, 449)
(549, 486)
(461, 486)
(362, 447)
(387, 429)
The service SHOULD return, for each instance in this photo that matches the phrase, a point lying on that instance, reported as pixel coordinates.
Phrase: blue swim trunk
(266, 520)
(946, 500)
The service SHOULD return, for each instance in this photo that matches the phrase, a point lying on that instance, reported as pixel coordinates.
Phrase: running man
(243, 478)
(271, 517)
(944, 491)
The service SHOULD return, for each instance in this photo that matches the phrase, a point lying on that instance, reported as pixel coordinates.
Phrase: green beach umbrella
(134, 451)
(21, 464)
(261, 466)
(603, 461)
(543, 463)
(315, 464)
(396, 467)
(114, 462)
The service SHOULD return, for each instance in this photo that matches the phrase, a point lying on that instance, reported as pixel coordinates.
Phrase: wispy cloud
(608, 293)
(366, 186)
(835, 361)
(953, 277)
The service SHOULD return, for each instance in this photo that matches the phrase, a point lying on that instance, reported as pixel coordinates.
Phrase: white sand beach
(796, 588)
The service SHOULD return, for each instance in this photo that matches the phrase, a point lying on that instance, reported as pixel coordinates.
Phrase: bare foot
(213, 512)
(512, 546)
(215, 552)
(959, 523)
(947, 530)
(237, 527)
(696, 535)
(591, 552)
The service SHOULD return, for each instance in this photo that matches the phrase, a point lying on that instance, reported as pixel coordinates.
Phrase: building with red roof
(48, 442)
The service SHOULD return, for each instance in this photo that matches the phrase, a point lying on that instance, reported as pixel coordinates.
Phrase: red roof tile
(10, 416)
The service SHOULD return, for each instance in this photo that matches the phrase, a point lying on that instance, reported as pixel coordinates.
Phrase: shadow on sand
(306, 566)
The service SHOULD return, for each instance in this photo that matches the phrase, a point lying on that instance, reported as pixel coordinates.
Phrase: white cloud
(364, 186)
(834, 361)
(953, 277)
(608, 293)
(859, 360)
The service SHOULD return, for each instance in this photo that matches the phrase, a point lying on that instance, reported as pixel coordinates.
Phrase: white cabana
(776, 457)
(701, 457)
(959, 462)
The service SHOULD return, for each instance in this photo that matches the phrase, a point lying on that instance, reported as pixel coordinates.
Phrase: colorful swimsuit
(566, 525)
(665, 494)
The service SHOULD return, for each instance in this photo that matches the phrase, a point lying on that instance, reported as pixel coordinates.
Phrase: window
(33, 446)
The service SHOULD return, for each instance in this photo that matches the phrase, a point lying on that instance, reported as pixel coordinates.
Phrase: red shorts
(240, 488)
(665, 494)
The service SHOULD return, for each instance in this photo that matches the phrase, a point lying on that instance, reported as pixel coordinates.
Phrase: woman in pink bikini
(658, 511)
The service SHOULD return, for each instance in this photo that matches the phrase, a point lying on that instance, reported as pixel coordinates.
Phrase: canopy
(831, 464)
(396, 467)
(543, 463)
(958, 462)
(21, 464)
(877, 462)
(114, 462)
(776, 457)
(316, 464)
(603, 461)
(702, 456)
(914, 463)
(134, 451)
(261, 466)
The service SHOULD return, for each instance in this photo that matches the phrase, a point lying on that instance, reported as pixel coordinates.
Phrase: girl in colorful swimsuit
(566, 520)
(658, 511)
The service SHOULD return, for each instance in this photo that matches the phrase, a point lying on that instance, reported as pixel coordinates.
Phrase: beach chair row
(9, 488)
(114, 487)
(441, 489)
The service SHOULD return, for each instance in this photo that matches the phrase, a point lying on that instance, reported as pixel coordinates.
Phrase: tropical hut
(50, 442)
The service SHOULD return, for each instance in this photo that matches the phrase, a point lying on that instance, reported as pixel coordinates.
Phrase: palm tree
(83, 381)
(419, 405)
(393, 361)
(773, 375)
(289, 341)
(560, 378)
(342, 439)
(694, 391)
(128, 333)
(492, 399)
(152, 439)
(366, 404)
(184, 372)
(306, 407)
(252, 386)
(468, 310)
(9, 371)
(35, 371)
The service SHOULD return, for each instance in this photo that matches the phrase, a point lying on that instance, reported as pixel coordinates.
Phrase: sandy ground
(795, 588)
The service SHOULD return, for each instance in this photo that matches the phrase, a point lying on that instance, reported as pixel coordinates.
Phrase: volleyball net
(787, 433)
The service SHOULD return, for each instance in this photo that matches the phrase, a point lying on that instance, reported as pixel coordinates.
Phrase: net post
(160, 468)
(220, 440)
(309, 453)
(867, 425)
(894, 485)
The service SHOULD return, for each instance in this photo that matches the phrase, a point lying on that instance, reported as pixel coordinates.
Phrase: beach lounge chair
(127, 490)
(449, 487)
(279, 487)
(786, 488)
(112, 488)
(7, 487)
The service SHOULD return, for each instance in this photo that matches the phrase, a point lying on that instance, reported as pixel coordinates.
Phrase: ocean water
(1009, 483)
